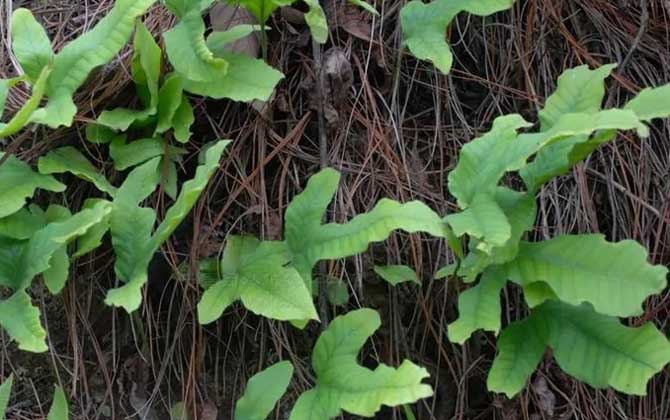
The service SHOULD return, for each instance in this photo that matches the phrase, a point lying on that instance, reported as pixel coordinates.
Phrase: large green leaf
(59, 409)
(343, 384)
(651, 103)
(19, 182)
(256, 273)
(614, 277)
(592, 347)
(69, 159)
(188, 52)
(310, 241)
(479, 307)
(21, 320)
(20, 225)
(484, 220)
(131, 225)
(247, 79)
(424, 25)
(30, 43)
(263, 391)
(5, 393)
(22, 117)
(76, 60)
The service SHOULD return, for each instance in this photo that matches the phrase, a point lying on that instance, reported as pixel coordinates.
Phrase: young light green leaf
(592, 347)
(134, 252)
(59, 409)
(182, 120)
(365, 5)
(256, 273)
(310, 241)
(188, 52)
(424, 25)
(651, 103)
(316, 20)
(396, 274)
(479, 307)
(92, 239)
(170, 99)
(5, 393)
(69, 159)
(146, 65)
(76, 60)
(126, 155)
(263, 391)
(19, 182)
(22, 118)
(21, 320)
(30, 43)
(343, 384)
(247, 79)
(587, 268)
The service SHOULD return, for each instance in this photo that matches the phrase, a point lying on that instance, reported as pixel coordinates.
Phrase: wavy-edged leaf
(69, 159)
(187, 50)
(76, 60)
(30, 43)
(396, 274)
(133, 242)
(59, 408)
(592, 347)
(614, 277)
(479, 307)
(651, 103)
(20, 225)
(21, 320)
(92, 239)
(263, 391)
(343, 384)
(22, 117)
(310, 241)
(256, 273)
(247, 79)
(425, 24)
(484, 220)
(19, 182)
(5, 393)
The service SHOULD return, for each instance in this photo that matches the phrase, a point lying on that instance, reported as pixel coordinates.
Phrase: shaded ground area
(394, 129)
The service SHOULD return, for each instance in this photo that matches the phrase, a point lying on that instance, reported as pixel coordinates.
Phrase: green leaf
(365, 5)
(132, 225)
(337, 292)
(59, 408)
(479, 307)
(76, 60)
(263, 391)
(343, 384)
(256, 273)
(579, 90)
(170, 99)
(56, 275)
(92, 239)
(484, 220)
(262, 9)
(651, 103)
(182, 120)
(247, 79)
(146, 65)
(21, 320)
(614, 277)
(98, 134)
(5, 393)
(30, 43)
(188, 52)
(126, 155)
(396, 274)
(316, 20)
(120, 119)
(69, 159)
(22, 118)
(594, 348)
(218, 41)
(424, 25)
(20, 225)
(182, 7)
(19, 182)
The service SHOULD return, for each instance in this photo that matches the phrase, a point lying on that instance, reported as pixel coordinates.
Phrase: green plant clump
(576, 286)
